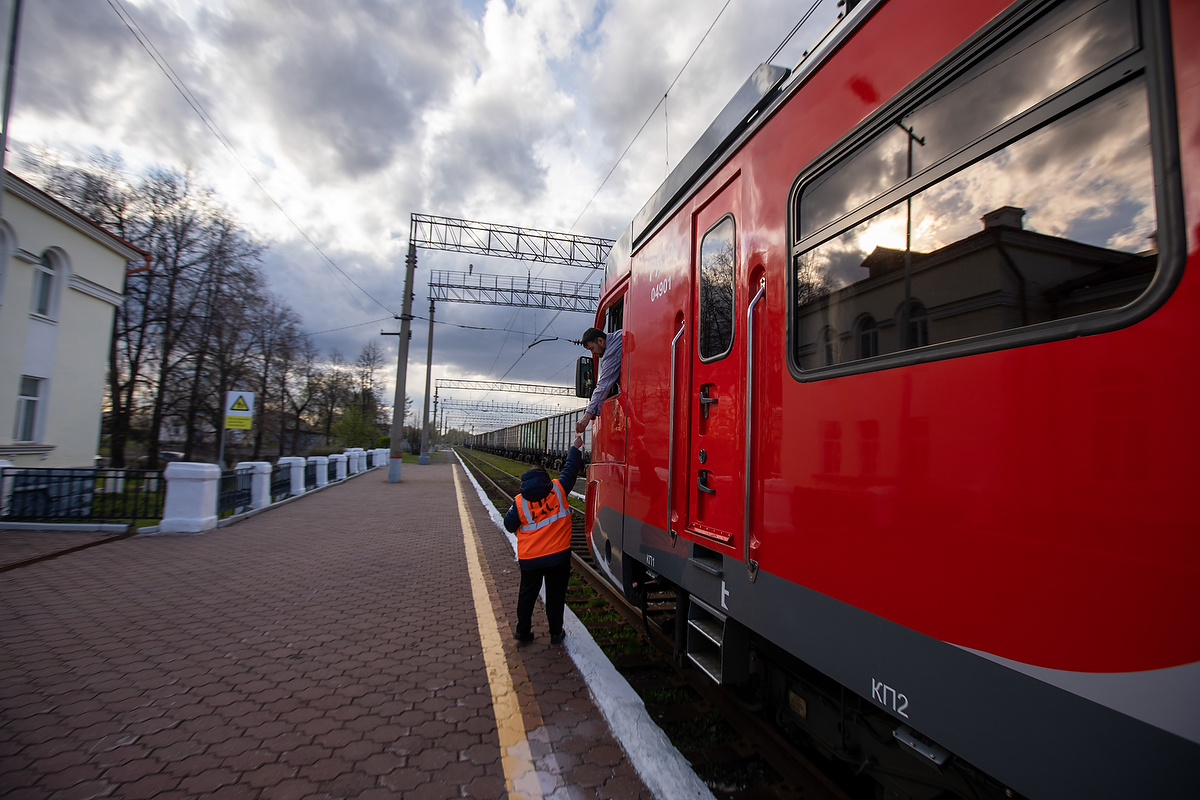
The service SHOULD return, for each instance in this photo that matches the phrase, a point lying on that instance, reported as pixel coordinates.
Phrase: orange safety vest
(545, 525)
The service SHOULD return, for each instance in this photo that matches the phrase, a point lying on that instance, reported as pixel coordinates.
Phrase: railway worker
(607, 348)
(542, 521)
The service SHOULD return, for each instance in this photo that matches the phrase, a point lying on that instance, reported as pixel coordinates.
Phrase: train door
(716, 457)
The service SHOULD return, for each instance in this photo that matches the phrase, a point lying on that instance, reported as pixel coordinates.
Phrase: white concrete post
(362, 460)
(296, 465)
(5, 486)
(381, 457)
(351, 462)
(322, 463)
(260, 482)
(191, 504)
(340, 460)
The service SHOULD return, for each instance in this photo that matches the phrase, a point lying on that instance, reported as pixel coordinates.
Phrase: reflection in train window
(716, 290)
(1057, 220)
(1054, 52)
(867, 337)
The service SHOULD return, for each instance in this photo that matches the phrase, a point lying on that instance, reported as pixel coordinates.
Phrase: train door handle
(671, 442)
(751, 564)
(705, 400)
(702, 482)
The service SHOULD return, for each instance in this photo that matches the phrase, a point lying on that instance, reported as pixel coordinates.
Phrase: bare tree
(198, 321)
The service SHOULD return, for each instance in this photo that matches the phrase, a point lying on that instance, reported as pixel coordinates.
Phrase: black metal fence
(29, 494)
(233, 495)
(281, 482)
(310, 476)
(331, 471)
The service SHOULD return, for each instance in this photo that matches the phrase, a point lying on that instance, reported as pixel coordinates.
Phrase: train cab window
(717, 265)
(614, 320)
(615, 316)
(1016, 191)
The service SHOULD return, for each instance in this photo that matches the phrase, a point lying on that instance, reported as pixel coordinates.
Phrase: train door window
(1011, 192)
(615, 316)
(717, 266)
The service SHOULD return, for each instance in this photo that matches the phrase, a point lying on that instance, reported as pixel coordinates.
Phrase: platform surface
(326, 648)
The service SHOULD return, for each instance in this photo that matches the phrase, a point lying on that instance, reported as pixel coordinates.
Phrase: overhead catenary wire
(650, 116)
(794, 30)
(181, 87)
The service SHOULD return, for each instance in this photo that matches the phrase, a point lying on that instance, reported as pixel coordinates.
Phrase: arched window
(827, 346)
(918, 325)
(45, 286)
(866, 337)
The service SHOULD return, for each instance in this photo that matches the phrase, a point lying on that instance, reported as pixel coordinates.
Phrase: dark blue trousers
(556, 579)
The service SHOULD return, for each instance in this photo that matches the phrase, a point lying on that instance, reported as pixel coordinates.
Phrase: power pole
(402, 368)
(424, 457)
(437, 431)
(10, 75)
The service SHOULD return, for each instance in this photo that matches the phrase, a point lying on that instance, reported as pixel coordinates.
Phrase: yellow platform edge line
(520, 777)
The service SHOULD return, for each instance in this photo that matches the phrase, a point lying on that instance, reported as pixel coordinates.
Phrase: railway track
(737, 752)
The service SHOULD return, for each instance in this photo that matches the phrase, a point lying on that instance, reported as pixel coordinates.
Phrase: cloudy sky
(355, 114)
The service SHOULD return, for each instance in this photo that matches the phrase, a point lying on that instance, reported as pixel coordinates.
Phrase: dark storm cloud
(494, 152)
(79, 61)
(59, 36)
(346, 88)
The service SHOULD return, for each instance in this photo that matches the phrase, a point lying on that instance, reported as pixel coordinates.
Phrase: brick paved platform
(327, 648)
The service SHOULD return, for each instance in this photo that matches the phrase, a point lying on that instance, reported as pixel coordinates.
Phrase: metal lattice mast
(503, 241)
(484, 407)
(508, 241)
(502, 386)
(513, 290)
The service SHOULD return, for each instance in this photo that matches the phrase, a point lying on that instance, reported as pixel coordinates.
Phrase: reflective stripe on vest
(546, 536)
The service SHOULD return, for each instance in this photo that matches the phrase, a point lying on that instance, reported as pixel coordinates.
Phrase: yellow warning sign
(239, 410)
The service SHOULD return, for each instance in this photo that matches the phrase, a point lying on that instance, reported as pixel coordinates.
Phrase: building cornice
(95, 290)
(25, 450)
(54, 208)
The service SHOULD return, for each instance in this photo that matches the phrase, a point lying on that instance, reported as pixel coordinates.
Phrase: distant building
(61, 281)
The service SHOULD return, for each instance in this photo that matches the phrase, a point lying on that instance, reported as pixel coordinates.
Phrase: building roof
(55, 208)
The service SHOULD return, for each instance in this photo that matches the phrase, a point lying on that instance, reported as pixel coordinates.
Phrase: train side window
(1038, 205)
(717, 266)
(1049, 55)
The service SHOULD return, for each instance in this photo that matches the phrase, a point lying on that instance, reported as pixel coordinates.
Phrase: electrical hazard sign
(239, 410)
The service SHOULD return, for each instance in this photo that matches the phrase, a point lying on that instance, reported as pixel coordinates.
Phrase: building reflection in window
(1057, 224)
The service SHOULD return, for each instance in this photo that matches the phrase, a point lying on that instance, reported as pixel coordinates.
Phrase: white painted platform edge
(660, 765)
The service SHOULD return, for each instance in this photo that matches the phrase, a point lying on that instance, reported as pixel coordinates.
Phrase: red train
(907, 408)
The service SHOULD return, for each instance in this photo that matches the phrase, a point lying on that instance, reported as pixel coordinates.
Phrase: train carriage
(544, 441)
(905, 411)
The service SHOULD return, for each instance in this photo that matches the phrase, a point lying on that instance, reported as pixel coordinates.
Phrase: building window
(827, 346)
(918, 324)
(716, 290)
(27, 409)
(867, 337)
(1021, 191)
(43, 286)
